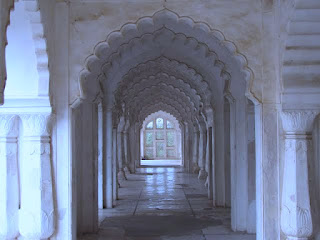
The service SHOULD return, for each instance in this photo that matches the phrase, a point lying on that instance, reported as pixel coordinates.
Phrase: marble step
(303, 41)
(306, 15)
(302, 57)
(307, 4)
(307, 28)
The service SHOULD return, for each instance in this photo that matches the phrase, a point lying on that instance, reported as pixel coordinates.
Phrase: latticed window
(160, 139)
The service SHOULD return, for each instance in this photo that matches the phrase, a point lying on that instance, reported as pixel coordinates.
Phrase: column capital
(298, 121)
(37, 124)
(8, 125)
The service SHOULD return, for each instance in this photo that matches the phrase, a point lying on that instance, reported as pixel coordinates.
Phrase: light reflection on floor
(164, 203)
(161, 162)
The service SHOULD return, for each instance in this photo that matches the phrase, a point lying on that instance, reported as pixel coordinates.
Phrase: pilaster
(108, 126)
(37, 213)
(9, 180)
(296, 219)
(195, 152)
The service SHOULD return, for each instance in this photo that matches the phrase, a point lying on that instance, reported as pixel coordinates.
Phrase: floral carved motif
(298, 121)
(8, 125)
(37, 124)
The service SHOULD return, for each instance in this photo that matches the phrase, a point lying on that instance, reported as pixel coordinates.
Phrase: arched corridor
(164, 203)
(162, 119)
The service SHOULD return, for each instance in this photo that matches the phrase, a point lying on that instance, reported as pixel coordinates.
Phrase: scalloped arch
(170, 67)
(167, 101)
(4, 23)
(159, 107)
(154, 93)
(225, 50)
(33, 10)
(154, 114)
(159, 80)
(183, 109)
(138, 83)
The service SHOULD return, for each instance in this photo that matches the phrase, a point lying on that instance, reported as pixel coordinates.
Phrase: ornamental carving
(126, 43)
(8, 125)
(296, 222)
(36, 226)
(36, 124)
(298, 121)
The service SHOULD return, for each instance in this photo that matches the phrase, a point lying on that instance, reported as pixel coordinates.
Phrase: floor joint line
(134, 212)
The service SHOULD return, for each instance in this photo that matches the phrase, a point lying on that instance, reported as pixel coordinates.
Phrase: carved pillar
(296, 220)
(202, 154)
(115, 167)
(37, 215)
(121, 173)
(195, 151)
(9, 180)
(126, 152)
(241, 164)
(210, 144)
(186, 147)
(107, 124)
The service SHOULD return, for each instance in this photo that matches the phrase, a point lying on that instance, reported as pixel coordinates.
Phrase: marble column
(315, 179)
(220, 162)
(121, 173)
(202, 154)
(107, 124)
(100, 159)
(126, 152)
(133, 146)
(241, 164)
(9, 178)
(37, 213)
(296, 220)
(195, 152)
(267, 171)
(115, 167)
(211, 172)
(186, 146)
(138, 142)
(251, 216)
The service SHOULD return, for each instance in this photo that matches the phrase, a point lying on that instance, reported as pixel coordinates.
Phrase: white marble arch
(144, 28)
(179, 39)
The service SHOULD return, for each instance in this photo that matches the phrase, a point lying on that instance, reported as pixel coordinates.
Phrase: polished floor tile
(164, 203)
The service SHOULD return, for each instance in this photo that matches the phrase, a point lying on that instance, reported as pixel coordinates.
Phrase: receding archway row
(170, 63)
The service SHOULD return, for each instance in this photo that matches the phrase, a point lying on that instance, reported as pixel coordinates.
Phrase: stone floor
(161, 162)
(164, 204)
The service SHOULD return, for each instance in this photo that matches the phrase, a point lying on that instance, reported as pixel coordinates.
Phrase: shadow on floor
(158, 227)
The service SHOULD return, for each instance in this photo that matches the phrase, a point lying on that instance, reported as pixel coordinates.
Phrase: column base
(202, 174)
(195, 169)
(206, 184)
(127, 171)
(122, 175)
(296, 238)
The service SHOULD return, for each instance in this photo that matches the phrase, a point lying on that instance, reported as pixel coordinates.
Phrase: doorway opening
(160, 143)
